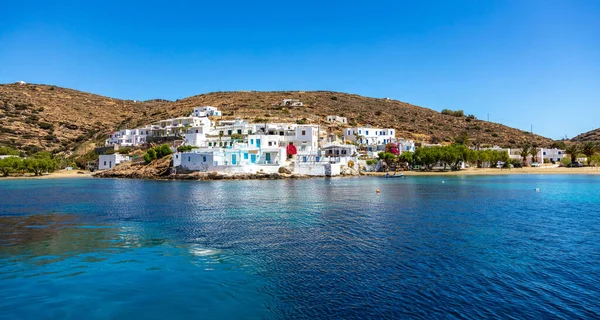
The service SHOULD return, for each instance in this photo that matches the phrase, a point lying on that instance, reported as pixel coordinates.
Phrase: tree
(389, 158)
(9, 164)
(448, 156)
(392, 148)
(39, 165)
(572, 150)
(524, 152)
(406, 157)
(185, 148)
(149, 156)
(9, 151)
(162, 151)
(463, 139)
(558, 145)
(589, 149)
(533, 152)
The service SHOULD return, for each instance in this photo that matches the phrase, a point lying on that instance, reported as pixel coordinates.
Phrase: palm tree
(589, 149)
(573, 151)
(533, 152)
(524, 152)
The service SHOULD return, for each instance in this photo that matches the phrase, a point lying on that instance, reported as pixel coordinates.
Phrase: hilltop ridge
(592, 135)
(46, 117)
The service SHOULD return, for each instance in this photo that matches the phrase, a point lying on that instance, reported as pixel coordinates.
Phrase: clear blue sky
(525, 62)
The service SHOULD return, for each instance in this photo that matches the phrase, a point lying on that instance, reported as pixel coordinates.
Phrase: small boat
(395, 175)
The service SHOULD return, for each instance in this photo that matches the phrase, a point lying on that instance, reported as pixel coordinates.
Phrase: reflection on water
(49, 238)
(327, 248)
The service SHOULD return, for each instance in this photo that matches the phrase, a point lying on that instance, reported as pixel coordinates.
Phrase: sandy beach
(61, 174)
(489, 171)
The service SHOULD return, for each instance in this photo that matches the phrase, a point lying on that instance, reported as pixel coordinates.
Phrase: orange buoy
(377, 191)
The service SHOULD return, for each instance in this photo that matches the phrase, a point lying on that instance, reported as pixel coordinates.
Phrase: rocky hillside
(58, 119)
(45, 117)
(593, 135)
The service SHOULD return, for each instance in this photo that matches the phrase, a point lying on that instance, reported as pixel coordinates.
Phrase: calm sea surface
(471, 247)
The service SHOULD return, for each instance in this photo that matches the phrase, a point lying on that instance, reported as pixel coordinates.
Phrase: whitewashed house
(291, 103)
(239, 159)
(370, 136)
(128, 137)
(192, 129)
(338, 119)
(553, 155)
(206, 111)
(110, 161)
(405, 145)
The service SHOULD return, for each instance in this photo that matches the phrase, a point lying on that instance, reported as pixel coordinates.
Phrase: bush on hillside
(157, 153)
(186, 148)
(457, 113)
(9, 151)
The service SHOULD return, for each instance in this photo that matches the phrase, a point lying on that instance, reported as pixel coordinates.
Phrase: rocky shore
(160, 170)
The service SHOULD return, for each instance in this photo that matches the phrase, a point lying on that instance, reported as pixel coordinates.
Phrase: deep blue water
(471, 247)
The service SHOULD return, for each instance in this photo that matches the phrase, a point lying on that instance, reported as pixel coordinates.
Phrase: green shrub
(150, 155)
(157, 153)
(163, 150)
(46, 126)
(371, 162)
(457, 113)
(237, 136)
(9, 151)
(185, 148)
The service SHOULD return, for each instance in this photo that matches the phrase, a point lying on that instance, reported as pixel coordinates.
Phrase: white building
(240, 158)
(110, 161)
(370, 136)
(128, 137)
(206, 111)
(337, 119)
(405, 145)
(8, 156)
(292, 103)
(192, 130)
(553, 155)
(306, 138)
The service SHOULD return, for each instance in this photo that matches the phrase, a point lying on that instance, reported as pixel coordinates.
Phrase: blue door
(268, 157)
(258, 143)
(253, 158)
(233, 159)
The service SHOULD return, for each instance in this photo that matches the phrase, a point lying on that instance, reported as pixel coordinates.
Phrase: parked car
(575, 165)
(535, 164)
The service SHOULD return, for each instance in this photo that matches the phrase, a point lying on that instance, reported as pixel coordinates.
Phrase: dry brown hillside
(593, 135)
(58, 119)
(46, 117)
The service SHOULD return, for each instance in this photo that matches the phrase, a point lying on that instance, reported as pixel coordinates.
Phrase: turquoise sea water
(471, 247)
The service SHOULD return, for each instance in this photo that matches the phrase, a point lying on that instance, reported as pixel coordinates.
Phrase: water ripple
(471, 248)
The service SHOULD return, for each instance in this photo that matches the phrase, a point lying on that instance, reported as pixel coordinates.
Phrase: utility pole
(531, 129)
(488, 117)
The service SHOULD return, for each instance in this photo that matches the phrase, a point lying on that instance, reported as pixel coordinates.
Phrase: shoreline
(62, 174)
(496, 172)
(203, 176)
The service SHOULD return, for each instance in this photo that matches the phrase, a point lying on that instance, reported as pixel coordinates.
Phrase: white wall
(110, 161)
(319, 169)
